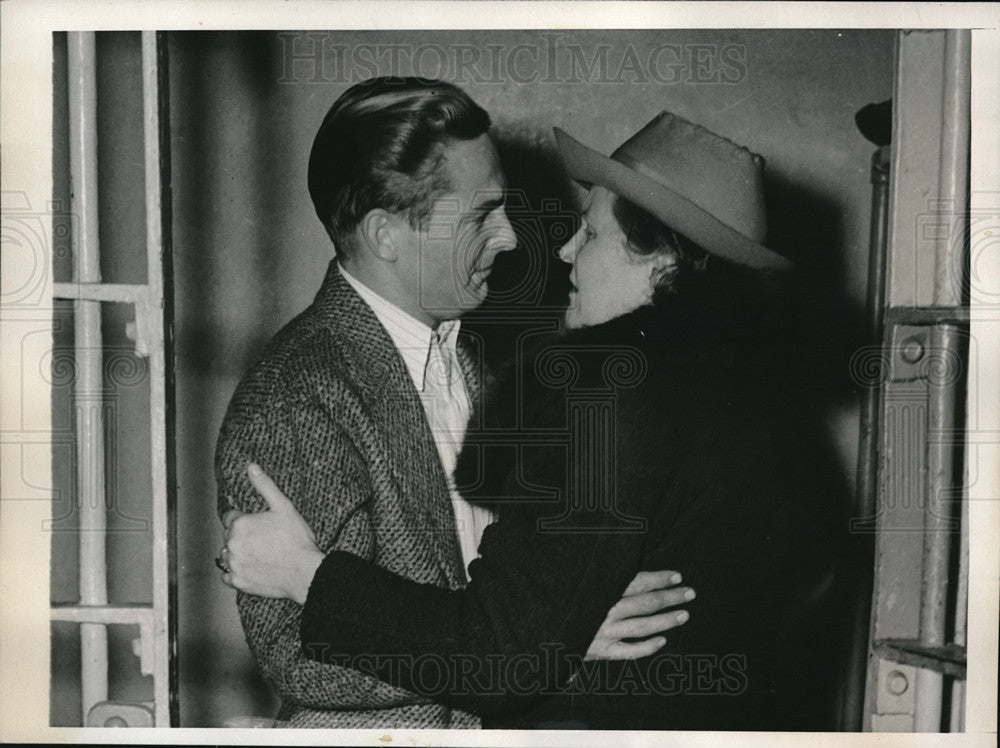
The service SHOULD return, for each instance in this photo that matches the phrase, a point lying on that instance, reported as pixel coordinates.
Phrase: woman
(685, 449)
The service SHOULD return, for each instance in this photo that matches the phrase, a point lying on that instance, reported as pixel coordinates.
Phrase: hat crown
(699, 184)
(720, 177)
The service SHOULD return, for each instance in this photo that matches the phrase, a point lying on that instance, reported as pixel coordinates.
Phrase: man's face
(447, 263)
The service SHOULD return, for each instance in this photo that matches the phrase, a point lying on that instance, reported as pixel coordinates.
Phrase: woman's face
(608, 279)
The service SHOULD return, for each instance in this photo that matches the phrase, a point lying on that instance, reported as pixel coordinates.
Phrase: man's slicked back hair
(381, 146)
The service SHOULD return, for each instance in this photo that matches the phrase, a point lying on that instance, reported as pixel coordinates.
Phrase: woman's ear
(664, 265)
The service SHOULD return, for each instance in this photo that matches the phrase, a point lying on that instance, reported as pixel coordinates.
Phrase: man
(358, 409)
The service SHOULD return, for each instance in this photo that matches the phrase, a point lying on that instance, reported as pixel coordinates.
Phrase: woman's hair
(707, 295)
(647, 235)
(381, 146)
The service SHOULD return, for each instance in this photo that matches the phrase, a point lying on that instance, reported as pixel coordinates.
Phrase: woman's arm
(514, 634)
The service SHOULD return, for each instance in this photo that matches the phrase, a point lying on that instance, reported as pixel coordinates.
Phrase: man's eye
(476, 219)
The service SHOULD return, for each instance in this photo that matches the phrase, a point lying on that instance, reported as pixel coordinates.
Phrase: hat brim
(590, 167)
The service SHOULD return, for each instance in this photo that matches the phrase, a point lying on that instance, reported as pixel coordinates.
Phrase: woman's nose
(570, 248)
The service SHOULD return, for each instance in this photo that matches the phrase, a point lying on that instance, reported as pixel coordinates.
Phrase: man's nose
(504, 238)
(568, 251)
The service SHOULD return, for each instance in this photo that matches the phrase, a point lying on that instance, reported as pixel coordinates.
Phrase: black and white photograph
(500, 373)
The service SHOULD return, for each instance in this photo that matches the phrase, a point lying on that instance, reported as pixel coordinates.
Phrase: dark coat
(671, 438)
(331, 414)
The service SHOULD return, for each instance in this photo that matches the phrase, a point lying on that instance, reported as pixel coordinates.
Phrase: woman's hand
(639, 614)
(272, 553)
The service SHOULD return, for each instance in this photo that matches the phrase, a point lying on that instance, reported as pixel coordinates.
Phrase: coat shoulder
(307, 362)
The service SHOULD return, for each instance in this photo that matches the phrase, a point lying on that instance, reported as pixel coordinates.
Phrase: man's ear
(382, 233)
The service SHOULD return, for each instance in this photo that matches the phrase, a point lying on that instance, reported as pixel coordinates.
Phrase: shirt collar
(411, 337)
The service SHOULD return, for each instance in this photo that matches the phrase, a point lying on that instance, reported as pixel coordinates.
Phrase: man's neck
(388, 287)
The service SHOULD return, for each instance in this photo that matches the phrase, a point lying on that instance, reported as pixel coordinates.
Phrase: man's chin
(475, 294)
(468, 304)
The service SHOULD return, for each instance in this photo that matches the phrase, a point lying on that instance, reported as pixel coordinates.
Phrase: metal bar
(88, 390)
(953, 172)
(867, 469)
(962, 595)
(157, 176)
(953, 179)
(105, 614)
(945, 344)
(961, 613)
(122, 293)
(927, 276)
(136, 615)
(866, 485)
(928, 315)
(961, 606)
(948, 659)
(962, 592)
(877, 242)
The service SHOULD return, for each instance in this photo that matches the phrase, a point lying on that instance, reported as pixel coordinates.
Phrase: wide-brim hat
(696, 182)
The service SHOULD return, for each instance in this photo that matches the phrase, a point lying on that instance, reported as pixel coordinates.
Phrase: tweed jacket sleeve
(274, 421)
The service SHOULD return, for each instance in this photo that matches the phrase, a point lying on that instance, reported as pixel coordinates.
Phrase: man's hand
(272, 553)
(640, 614)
